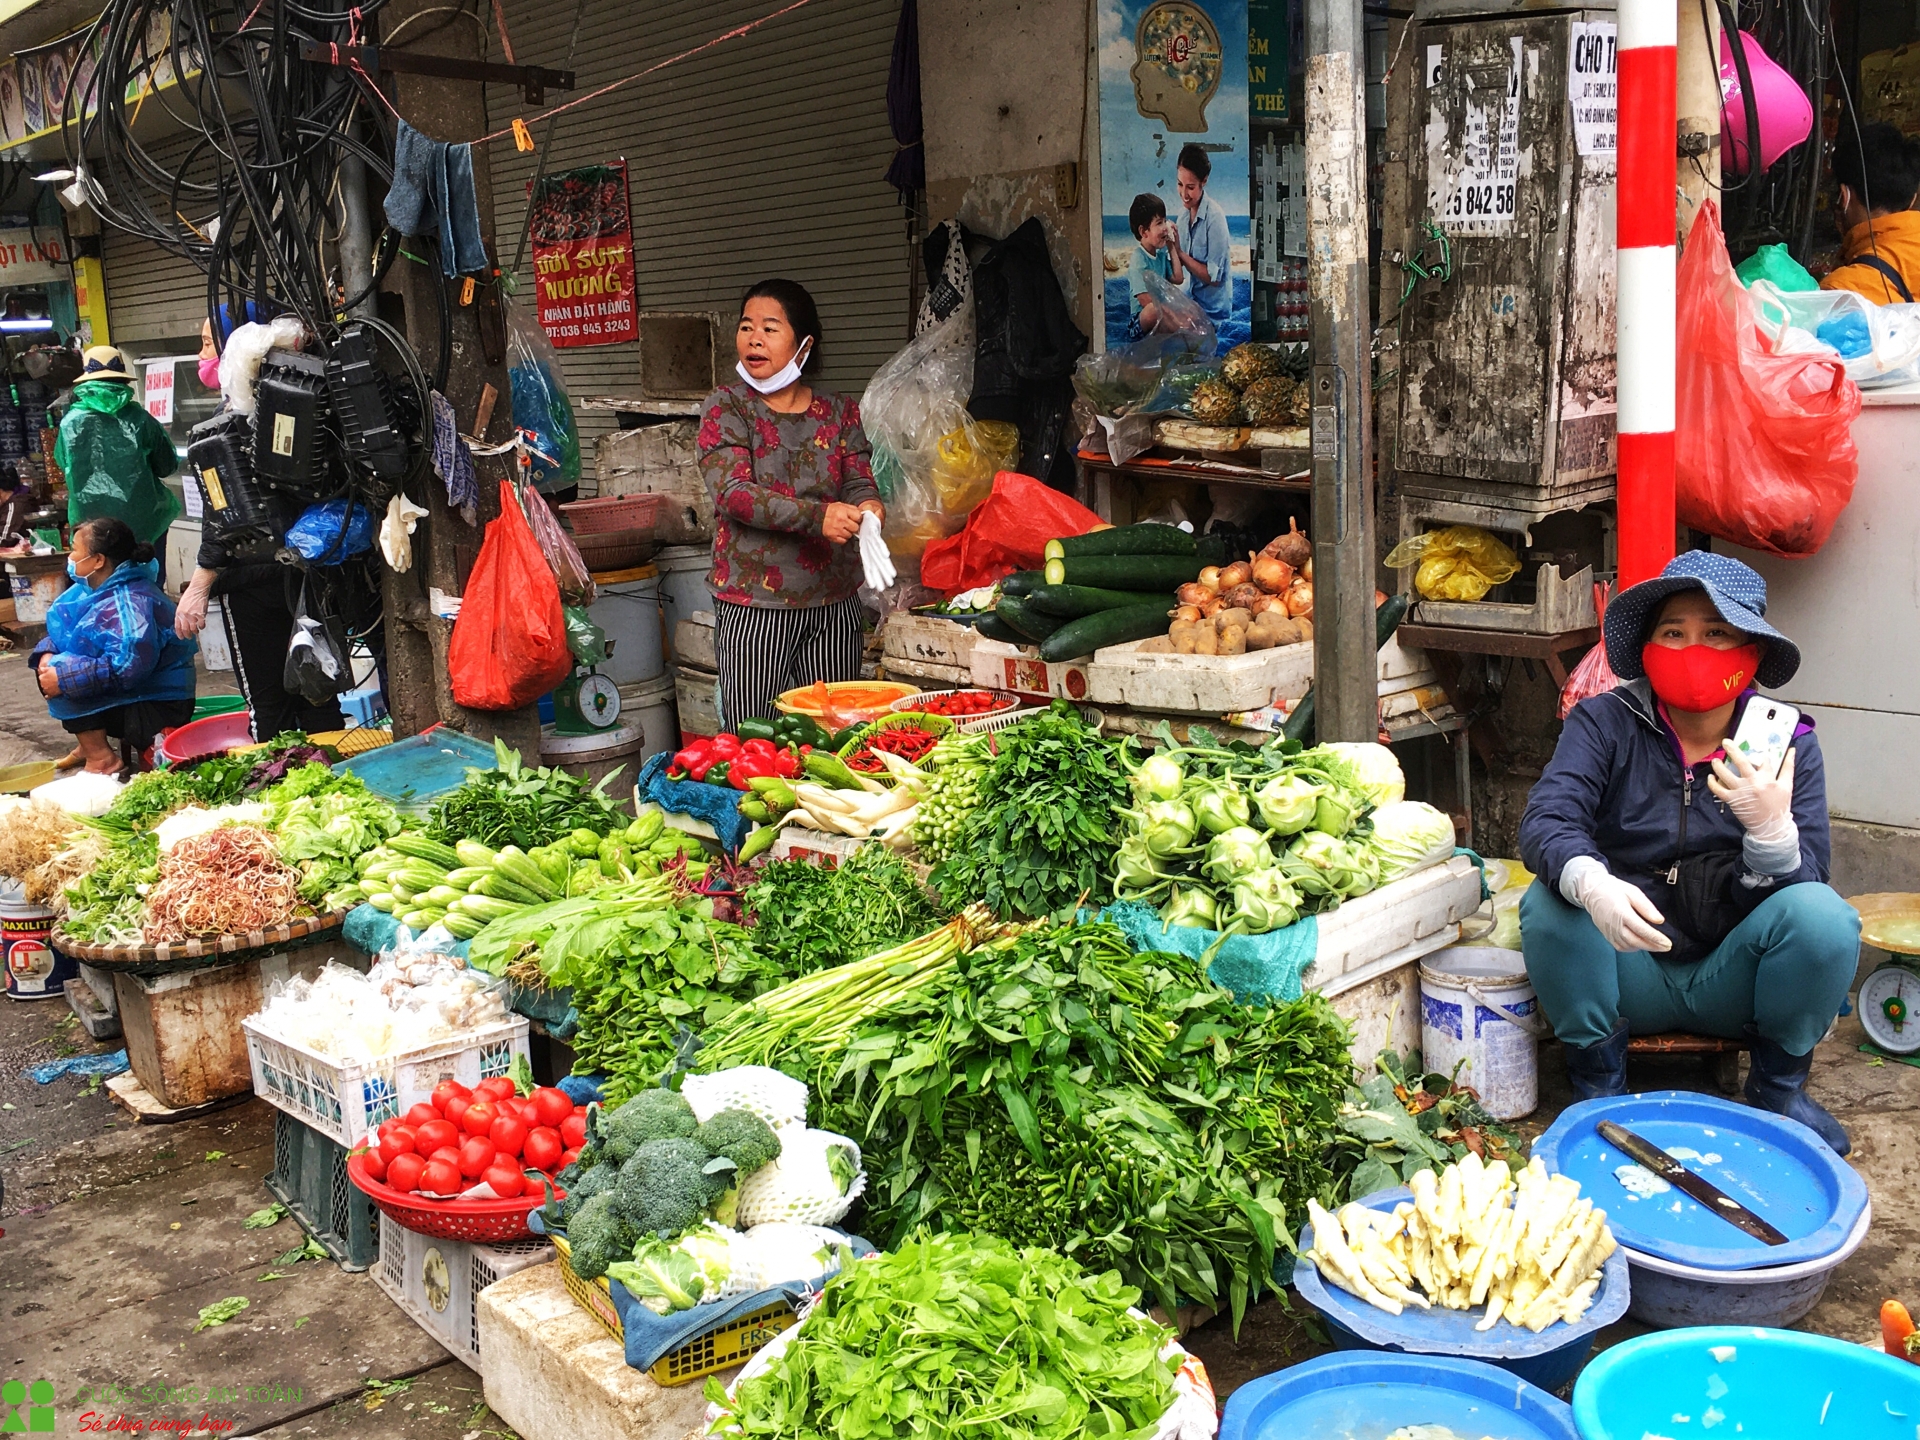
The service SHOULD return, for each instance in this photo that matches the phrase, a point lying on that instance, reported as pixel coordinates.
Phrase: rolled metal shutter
(766, 155)
(152, 295)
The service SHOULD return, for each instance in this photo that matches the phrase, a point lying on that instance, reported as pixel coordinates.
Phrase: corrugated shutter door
(152, 294)
(766, 155)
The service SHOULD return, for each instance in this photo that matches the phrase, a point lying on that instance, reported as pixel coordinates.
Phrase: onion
(1188, 613)
(1193, 593)
(1211, 606)
(1292, 547)
(1306, 570)
(1242, 596)
(1300, 601)
(1266, 603)
(1271, 575)
(1238, 573)
(1210, 577)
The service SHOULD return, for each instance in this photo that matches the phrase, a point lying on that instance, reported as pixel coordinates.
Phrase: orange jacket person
(1878, 174)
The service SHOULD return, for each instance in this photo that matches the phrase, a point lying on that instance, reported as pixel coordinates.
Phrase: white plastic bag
(1879, 344)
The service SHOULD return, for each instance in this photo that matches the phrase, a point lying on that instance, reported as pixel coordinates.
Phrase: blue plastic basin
(1776, 1385)
(1549, 1359)
(1369, 1396)
(411, 772)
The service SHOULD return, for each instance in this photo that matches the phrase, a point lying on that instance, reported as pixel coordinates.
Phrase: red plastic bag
(1763, 443)
(1593, 675)
(1007, 531)
(509, 645)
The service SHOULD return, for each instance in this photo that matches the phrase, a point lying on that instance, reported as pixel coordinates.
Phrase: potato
(1228, 619)
(1276, 629)
(1206, 641)
(1158, 645)
(1233, 641)
(1306, 628)
(1184, 633)
(1260, 637)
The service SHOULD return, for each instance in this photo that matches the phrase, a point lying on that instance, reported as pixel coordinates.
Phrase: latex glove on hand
(1764, 809)
(874, 559)
(1619, 909)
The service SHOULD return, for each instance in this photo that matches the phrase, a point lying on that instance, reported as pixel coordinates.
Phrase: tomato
(506, 1181)
(476, 1156)
(376, 1167)
(440, 1178)
(422, 1114)
(573, 1131)
(497, 1088)
(404, 1173)
(551, 1106)
(448, 1153)
(385, 1126)
(456, 1107)
(543, 1149)
(509, 1135)
(478, 1117)
(396, 1142)
(445, 1092)
(568, 1157)
(436, 1133)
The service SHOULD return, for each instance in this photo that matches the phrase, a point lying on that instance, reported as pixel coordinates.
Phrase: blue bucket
(1760, 1385)
(1368, 1397)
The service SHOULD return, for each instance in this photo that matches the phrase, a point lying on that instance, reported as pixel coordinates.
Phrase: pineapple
(1214, 402)
(1247, 363)
(1269, 402)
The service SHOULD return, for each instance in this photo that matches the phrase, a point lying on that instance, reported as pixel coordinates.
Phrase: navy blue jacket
(1616, 788)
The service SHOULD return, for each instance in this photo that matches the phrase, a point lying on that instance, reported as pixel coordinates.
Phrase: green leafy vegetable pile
(107, 906)
(806, 917)
(1409, 1120)
(515, 804)
(321, 833)
(961, 1335)
(1044, 831)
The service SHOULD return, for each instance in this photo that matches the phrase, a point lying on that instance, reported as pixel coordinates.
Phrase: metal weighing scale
(1889, 1000)
(585, 703)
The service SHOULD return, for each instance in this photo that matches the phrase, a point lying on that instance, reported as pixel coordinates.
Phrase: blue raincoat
(115, 645)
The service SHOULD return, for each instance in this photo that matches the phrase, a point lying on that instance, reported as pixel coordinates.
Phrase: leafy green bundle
(961, 1335)
(1046, 826)
(806, 917)
(1409, 1120)
(321, 832)
(516, 804)
(106, 905)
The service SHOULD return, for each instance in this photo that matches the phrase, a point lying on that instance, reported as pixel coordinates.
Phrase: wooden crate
(1558, 606)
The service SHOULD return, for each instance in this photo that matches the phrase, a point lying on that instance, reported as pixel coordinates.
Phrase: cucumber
(1105, 627)
(1124, 540)
(1021, 582)
(1123, 572)
(1032, 624)
(994, 628)
(1386, 620)
(1072, 600)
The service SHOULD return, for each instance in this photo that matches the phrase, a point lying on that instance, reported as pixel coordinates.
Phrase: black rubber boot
(1599, 1071)
(1777, 1081)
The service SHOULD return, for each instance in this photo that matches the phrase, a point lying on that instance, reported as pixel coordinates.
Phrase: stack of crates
(438, 1282)
(310, 1178)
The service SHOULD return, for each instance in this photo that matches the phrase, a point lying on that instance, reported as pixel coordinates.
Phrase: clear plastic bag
(1880, 344)
(1458, 562)
(541, 409)
(1126, 377)
(569, 570)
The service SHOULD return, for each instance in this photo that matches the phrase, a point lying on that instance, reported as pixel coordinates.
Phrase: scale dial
(1890, 1009)
(599, 700)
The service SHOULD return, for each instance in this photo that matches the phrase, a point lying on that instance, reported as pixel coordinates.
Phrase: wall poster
(1173, 75)
(582, 233)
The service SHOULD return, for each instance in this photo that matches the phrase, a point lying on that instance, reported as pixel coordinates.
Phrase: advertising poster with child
(1174, 142)
(582, 234)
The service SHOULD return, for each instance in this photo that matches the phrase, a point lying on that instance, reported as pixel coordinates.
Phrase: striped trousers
(764, 650)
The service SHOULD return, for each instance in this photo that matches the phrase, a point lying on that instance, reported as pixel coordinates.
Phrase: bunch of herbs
(806, 917)
(1404, 1119)
(516, 804)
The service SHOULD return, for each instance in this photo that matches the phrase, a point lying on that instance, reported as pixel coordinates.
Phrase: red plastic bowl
(484, 1222)
(214, 735)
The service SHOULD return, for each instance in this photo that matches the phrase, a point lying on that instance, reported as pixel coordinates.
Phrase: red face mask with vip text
(1699, 677)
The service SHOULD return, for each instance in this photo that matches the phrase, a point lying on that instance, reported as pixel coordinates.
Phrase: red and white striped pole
(1648, 114)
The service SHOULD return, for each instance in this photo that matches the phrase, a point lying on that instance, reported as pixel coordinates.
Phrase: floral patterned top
(772, 477)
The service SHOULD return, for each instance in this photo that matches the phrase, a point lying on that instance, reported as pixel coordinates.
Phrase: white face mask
(782, 378)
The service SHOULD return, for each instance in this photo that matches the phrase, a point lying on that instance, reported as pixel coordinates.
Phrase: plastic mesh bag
(569, 570)
(1459, 562)
(776, 1098)
(541, 410)
(805, 1183)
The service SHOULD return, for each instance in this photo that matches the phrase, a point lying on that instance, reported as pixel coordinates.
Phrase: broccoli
(742, 1137)
(650, 1115)
(598, 1236)
(664, 1186)
(596, 1181)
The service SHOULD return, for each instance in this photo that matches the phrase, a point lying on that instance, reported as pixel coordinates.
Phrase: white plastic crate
(438, 1282)
(344, 1100)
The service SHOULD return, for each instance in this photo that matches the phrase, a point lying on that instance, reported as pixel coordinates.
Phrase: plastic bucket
(35, 970)
(1477, 1011)
(629, 613)
(37, 581)
(594, 757)
(683, 580)
(654, 707)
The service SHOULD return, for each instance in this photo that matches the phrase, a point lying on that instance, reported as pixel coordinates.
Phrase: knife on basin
(1717, 1201)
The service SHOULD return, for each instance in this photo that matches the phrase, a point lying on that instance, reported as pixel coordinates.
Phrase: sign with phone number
(583, 256)
(1473, 189)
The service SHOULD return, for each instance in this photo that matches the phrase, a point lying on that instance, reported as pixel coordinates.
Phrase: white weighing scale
(1889, 999)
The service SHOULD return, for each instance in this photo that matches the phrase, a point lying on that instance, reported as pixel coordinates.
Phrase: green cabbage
(1367, 767)
(1408, 836)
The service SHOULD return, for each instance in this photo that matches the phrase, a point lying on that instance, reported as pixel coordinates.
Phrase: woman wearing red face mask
(1678, 888)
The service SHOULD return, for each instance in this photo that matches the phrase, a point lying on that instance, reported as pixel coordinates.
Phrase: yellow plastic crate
(356, 741)
(721, 1348)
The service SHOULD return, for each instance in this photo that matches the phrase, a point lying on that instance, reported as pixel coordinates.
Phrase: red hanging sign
(582, 233)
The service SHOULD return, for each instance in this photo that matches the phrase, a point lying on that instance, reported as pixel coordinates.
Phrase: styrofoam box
(1000, 666)
(438, 1282)
(344, 1100)
(1216, 684)
(929, 640)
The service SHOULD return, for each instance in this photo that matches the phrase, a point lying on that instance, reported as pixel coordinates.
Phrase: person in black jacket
(1678, 887)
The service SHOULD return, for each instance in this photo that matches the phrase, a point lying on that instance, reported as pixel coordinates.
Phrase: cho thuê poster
(582, 233)
(1173, 74)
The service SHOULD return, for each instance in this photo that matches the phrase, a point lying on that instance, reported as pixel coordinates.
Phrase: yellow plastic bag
(1460, 562)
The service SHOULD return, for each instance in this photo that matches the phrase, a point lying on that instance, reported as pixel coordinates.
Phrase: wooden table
(1463, 640)
(1288, 470)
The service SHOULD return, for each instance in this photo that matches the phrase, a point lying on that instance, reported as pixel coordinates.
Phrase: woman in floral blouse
(789, 472)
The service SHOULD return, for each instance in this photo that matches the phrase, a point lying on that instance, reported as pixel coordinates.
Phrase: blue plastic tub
(1369, 1396)
(1549, 1359)
(1770, 1385)
(410, 773)
(1776, 1167)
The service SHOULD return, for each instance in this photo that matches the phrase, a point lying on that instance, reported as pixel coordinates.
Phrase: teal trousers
(1785, 970)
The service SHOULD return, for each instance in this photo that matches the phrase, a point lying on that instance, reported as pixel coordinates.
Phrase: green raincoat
(115, 455)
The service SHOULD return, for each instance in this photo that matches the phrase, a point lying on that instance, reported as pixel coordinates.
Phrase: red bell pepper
(749, 767)
(725, 746)
(692, 761)
(786, 765)
(764, 749)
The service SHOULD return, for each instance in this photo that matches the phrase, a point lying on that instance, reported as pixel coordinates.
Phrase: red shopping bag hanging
(1007, 531)
(1763, 443)
(509, 645)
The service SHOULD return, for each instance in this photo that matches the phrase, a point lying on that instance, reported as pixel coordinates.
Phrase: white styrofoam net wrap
(799, 1184)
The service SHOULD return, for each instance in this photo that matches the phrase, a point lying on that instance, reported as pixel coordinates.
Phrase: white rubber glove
(874, 559)
(1764, 809)
(1619, 909)
(396, 532)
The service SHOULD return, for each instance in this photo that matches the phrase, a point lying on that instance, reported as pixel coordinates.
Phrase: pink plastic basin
(212, 736)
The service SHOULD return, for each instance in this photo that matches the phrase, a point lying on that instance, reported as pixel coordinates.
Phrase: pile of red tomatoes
(489, 1133)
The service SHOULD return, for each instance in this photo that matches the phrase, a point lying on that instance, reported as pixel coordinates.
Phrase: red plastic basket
(485, 1222)
(605, 513)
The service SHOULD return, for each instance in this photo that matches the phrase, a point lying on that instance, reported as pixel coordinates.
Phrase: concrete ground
(117, 1235)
